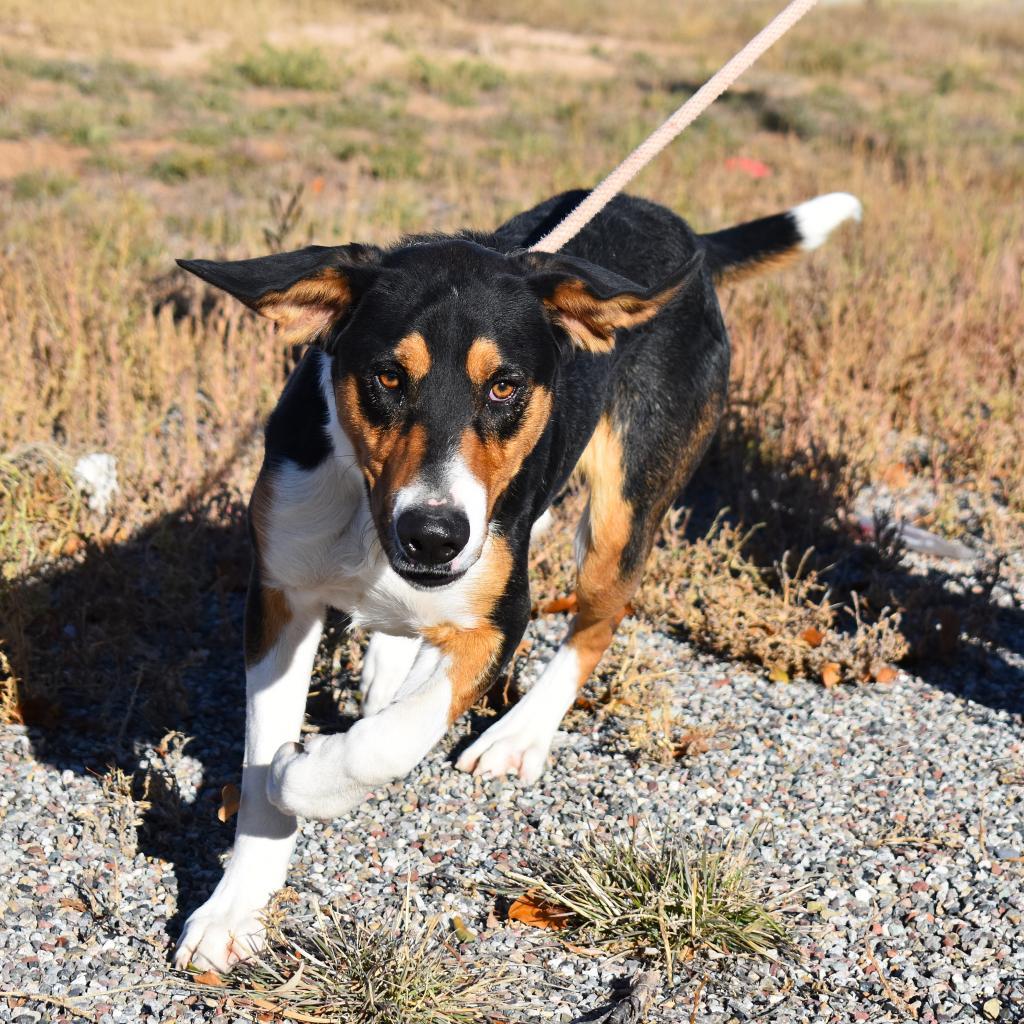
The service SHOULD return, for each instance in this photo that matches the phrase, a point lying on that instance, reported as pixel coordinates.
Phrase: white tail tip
(818, 217)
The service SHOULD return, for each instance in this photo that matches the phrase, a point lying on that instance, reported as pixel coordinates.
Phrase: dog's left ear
(304, 292)
(590, 303)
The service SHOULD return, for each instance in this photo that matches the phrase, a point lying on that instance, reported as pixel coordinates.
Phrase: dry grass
(662, 898)
(891, 356)
(391, 971)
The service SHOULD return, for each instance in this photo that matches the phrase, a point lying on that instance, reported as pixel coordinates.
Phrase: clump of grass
(10, 700)
(662, 898)
(460, 82)
(182, 165)
(635, 691)
(782, 618)
(387, 972)
(284, 68)
(40, 508)
(41, 185)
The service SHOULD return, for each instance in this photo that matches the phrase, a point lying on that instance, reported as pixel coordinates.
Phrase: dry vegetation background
(887, 364)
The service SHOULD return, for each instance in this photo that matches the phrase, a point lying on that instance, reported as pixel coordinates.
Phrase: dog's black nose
(432, 536)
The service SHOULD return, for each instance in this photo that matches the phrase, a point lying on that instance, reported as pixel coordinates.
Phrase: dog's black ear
(590, 303)
(304, 292)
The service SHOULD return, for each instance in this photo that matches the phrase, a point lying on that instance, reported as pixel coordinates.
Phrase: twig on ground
(633, 1008)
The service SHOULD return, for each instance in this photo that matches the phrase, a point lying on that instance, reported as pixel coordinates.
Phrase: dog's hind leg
(386, 665)
(282, 633)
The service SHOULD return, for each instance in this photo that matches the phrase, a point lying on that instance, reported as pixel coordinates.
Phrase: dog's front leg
(282, 633)
(332, 774)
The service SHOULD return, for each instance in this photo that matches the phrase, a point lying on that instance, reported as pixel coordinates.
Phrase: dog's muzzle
(430, 538)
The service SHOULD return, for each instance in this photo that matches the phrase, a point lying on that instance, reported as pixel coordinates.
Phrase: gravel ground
(899, 807)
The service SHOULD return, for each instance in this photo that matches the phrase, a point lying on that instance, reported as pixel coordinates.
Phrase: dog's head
(445, 369)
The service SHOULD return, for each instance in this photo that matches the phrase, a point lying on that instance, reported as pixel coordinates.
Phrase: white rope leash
(682, 118)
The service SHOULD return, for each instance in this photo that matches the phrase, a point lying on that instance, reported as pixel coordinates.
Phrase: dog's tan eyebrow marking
(482, 360)
(413, 354)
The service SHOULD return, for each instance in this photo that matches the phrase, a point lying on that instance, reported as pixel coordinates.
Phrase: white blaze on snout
(458, 489)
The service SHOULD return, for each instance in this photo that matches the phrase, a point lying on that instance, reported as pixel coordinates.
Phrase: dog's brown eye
(502, 391)
(388, 380)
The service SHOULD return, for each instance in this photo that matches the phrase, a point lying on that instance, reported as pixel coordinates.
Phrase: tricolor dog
(451, 387)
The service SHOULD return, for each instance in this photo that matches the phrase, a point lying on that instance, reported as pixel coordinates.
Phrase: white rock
(95, 475)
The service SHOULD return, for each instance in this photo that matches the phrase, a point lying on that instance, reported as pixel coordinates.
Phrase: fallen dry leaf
(812, 636)
(209, 978)
(885, 675)
(72, 903)
(230, 798)
(778, 675)
(831, 674)
(462, 933)
(532, 910)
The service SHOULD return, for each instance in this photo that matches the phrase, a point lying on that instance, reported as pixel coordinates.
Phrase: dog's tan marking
(482, 361)
(309, 307)
(398, 464)
(603, 589)
(758, 265)
(592, 322)
(388, 458)
(473, 652)
(495, 462)
(413, 354)
(266, 608)
(611, 514)
(274, 614)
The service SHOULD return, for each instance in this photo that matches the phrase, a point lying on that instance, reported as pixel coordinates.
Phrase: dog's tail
(747, 249)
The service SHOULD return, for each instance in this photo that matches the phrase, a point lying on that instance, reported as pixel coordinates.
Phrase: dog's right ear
(304, 292)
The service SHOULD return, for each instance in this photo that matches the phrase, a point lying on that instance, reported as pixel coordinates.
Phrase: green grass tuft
(663, 899)
(299, 68)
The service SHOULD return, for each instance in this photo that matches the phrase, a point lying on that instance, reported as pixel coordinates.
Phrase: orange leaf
(72, 903)
(229, 801)
(886, 674)
(559, 604)
(209, 978)
(536, 912)
(812, 636)
(778, 675)
(896, 474)
(831, 674)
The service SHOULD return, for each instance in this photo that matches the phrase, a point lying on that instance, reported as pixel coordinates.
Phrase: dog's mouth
(425, 577)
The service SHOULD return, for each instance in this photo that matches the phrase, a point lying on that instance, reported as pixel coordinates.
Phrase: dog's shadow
(127, 651)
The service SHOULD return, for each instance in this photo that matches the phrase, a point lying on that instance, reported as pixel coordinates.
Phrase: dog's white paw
(519, 743)
(510, 747)
(219, 935)
(309, 779)
(386, 665)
